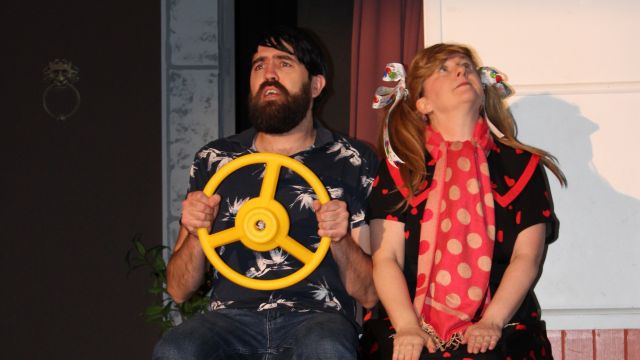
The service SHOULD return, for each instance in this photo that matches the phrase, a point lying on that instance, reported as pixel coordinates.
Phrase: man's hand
(186, 267)
(199, 211)
(333, 219)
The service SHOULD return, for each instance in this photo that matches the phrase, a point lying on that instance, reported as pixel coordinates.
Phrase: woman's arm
(514, 286)
(387, 240)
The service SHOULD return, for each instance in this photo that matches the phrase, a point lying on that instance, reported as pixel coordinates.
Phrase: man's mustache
(273, 83)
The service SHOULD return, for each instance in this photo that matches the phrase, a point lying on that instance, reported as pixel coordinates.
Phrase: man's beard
(279, 116)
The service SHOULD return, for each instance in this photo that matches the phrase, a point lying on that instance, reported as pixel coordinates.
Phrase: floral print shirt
(345, 167)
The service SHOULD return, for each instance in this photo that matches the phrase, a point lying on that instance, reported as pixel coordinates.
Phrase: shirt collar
(323, 136)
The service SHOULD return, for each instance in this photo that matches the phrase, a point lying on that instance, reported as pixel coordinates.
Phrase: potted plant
(165, 312)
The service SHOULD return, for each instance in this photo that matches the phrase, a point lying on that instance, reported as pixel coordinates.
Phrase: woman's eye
(443, 68)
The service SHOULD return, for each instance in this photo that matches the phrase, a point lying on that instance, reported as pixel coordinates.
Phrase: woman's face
(455, 83)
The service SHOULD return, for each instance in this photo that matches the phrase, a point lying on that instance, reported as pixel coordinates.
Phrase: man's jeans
(266, 335)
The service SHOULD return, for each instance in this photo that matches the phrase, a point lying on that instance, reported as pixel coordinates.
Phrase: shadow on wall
(599, 239)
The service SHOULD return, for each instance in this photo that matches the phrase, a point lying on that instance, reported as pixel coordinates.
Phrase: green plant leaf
(153, 310)
(164, 309)
(159, 265)
(139, 247)
(136, 242)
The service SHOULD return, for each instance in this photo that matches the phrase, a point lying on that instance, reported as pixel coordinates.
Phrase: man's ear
(423, 106)
(317, 84)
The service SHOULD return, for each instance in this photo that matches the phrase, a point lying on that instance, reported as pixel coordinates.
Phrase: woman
(459, 220)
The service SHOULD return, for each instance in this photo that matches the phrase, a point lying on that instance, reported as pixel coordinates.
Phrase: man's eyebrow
(257, 60)
(279, 57)
(287, 57)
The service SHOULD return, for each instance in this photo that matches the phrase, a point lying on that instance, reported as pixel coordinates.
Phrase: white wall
(575, 66)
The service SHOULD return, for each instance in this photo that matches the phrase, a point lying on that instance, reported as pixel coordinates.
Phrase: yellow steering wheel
(262, 223)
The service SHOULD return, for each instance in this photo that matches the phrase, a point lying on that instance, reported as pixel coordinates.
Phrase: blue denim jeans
(266, 335)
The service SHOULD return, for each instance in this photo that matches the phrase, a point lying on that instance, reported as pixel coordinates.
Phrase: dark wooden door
(74, 192)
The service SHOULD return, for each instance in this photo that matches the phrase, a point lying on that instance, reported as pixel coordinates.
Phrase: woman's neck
(455, 127)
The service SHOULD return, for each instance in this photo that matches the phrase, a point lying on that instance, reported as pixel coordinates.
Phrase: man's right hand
(199, 211)
(186, 267)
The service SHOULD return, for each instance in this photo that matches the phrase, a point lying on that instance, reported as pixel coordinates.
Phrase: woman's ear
(423, 106)
(317, 84)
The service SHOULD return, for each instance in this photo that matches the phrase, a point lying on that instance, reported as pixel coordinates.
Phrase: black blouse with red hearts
(521, 199)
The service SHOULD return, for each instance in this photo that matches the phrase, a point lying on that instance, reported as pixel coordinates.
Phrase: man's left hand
(333, 219)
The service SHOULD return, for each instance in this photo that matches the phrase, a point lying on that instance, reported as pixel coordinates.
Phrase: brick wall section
(616, 344)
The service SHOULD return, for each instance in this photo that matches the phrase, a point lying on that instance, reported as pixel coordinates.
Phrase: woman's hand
(516, 282)
(408, 343)
(482, 336)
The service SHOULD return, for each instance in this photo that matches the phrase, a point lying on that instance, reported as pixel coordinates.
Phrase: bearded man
(315, 318)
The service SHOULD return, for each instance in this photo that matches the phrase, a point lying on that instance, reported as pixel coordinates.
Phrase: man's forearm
(186, 267)
(355, 271)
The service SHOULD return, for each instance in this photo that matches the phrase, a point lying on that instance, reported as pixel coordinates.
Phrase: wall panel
(577, 83)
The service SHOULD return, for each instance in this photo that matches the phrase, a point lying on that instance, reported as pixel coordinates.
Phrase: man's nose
(270, 72)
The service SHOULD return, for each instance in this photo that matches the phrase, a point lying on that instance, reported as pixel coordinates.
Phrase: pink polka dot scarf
(456, 236)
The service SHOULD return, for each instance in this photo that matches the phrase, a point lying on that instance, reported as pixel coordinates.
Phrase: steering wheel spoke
(270, 180)
(296, 249)
(224, 237)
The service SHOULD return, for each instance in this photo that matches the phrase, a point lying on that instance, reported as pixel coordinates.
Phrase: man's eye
(285, 64)
(258, 67)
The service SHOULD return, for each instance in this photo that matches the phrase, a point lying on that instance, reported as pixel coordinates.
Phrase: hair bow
(491, 77)
(384, 96)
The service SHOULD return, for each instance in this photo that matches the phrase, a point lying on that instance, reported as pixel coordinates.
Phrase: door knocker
(60, 75)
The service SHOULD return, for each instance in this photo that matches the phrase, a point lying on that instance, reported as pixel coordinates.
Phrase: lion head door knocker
(61, 99)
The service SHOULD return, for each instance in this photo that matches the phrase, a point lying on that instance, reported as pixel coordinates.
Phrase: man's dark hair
(305, 47)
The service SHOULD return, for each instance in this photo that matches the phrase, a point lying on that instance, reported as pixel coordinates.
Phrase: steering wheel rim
(262, 223)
